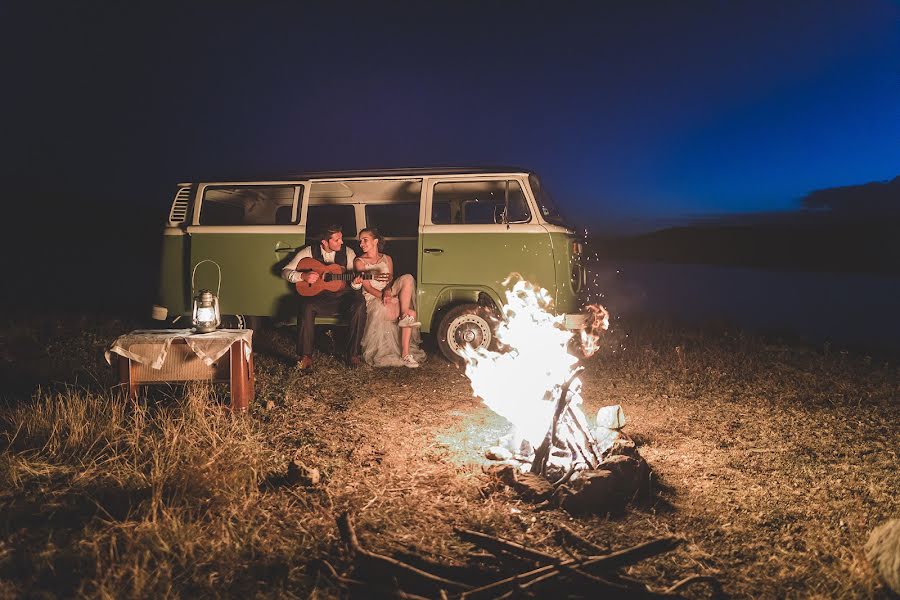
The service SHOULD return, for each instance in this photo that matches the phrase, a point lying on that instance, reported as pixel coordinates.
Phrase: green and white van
(460, 232)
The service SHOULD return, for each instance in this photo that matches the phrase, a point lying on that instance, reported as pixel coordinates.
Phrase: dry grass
(779, 461)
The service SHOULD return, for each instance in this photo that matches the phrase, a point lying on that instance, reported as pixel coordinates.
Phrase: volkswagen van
(460, 232)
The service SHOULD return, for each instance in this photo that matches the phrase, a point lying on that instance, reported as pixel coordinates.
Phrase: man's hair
(330, 231)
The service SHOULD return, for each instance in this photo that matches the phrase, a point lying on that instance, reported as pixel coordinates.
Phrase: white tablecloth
(154, 344)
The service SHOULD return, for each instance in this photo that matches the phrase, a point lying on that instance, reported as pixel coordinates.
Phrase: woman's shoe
(409, 361)
(409, 321)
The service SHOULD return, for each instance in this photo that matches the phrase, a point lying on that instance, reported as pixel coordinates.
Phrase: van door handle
(284, 249)
(433, 251)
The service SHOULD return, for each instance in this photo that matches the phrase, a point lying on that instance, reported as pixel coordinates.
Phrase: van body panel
(251, 266)
(432, 299)
(173, 291)
(480, 261)
(567, 268)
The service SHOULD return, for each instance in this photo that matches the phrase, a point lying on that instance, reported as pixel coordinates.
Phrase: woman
(386, 341)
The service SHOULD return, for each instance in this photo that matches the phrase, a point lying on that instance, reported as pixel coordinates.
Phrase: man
(349, 303)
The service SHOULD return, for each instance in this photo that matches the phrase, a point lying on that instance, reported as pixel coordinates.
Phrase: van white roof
(362, 173)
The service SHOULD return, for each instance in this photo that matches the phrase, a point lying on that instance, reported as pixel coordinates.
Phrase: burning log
(539, 465)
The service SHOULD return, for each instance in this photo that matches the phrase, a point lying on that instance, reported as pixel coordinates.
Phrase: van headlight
(578, 276)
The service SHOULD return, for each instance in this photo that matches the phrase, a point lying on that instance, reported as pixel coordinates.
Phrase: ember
(533, 382)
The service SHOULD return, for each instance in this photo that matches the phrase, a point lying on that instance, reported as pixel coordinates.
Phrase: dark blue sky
(635, 113)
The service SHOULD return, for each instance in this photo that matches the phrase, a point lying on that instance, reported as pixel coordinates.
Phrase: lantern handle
(194, 272)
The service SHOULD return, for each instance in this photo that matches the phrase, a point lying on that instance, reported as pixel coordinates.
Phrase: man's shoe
(305, 363)
(409, 361)
(409, 321)
(354, 362)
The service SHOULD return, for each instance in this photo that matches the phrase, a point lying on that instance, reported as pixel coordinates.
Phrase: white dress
(381, 339)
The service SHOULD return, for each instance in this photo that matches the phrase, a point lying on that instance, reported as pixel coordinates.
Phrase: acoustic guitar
(332, 278)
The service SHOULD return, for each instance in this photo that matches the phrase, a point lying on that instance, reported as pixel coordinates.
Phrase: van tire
(466, 324)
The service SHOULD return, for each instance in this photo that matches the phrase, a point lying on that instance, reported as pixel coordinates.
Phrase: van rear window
(247, 205)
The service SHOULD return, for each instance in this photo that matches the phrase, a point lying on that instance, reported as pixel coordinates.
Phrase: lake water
(844, 308)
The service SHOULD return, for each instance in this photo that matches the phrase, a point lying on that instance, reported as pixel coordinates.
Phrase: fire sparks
(532, 379)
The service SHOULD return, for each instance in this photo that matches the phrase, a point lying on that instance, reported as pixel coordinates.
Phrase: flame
(523, 380)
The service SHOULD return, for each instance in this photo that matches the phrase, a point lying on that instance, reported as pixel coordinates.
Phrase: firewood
(586, 583)
(455, 571)
(532, 488)
(562, 480)
(378, 590)
(374, 589)
(585, 430)
(607, 562)
(541, 454)
(634, 554)
(495, 544)
(712, 581)
(583, 542)
(406, 575)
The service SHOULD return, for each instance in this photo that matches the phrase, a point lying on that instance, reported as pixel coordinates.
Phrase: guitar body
(332, 278)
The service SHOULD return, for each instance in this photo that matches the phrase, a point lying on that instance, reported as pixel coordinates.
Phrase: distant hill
(851, 228)
(879, 198)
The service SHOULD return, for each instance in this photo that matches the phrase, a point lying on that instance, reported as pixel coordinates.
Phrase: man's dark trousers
(349, 303)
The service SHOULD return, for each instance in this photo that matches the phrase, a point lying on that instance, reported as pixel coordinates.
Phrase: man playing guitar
(348, 303)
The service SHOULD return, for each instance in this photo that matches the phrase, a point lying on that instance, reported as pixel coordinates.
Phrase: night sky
(635, 113)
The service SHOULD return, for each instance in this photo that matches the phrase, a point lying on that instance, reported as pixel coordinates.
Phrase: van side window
(394, 220)
(247, 205)
(320, 216)
(478, 202)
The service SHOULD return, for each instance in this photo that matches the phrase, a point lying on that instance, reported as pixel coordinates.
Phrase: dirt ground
(772, 461)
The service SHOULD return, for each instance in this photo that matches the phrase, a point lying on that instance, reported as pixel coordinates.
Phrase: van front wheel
(466, 325)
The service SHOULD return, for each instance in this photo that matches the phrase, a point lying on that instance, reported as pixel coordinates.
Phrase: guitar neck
(349, 276)
(346, 276)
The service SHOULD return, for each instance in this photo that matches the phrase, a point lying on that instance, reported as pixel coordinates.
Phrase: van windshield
(549, 211)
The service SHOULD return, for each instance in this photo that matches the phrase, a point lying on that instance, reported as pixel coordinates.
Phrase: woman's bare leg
(404, 294)
(405, 333)
(407, 285)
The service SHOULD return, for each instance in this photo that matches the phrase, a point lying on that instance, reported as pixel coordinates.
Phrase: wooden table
(177, 355)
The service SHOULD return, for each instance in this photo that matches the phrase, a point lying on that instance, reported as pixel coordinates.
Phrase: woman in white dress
(391, 338)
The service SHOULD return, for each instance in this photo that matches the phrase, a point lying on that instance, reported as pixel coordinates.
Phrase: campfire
(553, 455)
(533, 381)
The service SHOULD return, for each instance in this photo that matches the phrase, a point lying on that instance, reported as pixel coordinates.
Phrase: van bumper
(574, 321)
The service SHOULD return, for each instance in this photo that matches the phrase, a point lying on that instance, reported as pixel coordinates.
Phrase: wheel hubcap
(469, 330)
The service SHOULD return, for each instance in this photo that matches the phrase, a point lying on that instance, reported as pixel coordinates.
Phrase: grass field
(776, 461)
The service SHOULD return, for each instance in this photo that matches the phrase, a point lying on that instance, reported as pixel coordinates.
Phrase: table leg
(252, 387)
(126, 377)
(238, 378)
